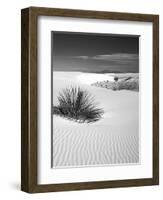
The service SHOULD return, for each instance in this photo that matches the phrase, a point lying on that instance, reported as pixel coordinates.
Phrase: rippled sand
(112, 140)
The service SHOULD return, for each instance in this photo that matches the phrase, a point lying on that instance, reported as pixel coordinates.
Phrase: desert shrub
(116, 78)
(77, 104)
(129, 84)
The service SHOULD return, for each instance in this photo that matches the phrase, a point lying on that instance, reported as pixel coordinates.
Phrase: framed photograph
(90, 100)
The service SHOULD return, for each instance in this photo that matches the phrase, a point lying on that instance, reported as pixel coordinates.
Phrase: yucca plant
(77, 104)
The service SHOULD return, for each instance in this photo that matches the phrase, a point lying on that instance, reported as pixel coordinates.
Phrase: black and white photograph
(89, 99)
(95, 99)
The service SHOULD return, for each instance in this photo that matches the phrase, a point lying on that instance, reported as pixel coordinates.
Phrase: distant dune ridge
(112, 140)
(121, 82)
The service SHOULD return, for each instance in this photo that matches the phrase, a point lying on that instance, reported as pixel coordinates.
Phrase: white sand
(89, 78)
(114, 139)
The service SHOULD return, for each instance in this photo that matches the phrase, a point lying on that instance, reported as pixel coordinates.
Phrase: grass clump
(77, 104)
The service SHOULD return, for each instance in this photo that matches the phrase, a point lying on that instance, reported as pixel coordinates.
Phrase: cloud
(82, 57)
(121, 58)
(121, 62)
(116, 57)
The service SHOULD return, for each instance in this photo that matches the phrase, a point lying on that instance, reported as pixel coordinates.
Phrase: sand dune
(112, 140)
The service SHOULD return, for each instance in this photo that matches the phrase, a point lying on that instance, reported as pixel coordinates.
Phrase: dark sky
(86, 52)
(70, 44)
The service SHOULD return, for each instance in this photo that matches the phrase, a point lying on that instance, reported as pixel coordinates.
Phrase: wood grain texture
(156, 100)
(24, 101)
(29, 99)
(91, 14)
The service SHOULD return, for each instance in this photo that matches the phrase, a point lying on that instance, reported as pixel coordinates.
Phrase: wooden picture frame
(29, 135)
